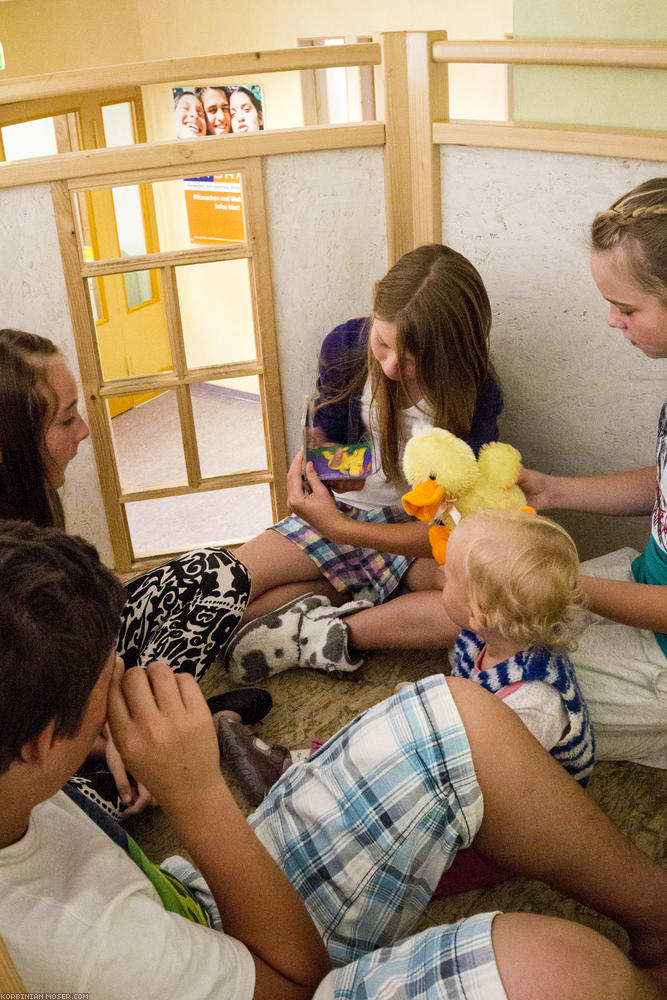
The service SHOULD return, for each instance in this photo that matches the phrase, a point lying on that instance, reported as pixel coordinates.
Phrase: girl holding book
(422, 356)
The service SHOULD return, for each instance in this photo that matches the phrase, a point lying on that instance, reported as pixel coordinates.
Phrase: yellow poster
(214, 206)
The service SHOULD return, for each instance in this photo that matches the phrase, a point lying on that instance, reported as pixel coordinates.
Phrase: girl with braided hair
(621, 661)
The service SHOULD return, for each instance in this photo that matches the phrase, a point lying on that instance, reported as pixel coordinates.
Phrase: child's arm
(619, 493)
(133, 796)
(319, 509)
(640, 605)
(163, 729)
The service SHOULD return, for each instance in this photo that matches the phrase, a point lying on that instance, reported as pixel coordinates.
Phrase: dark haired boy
(362, 831)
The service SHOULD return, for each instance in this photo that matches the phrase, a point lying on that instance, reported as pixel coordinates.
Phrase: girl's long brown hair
(26, 404)
(437, 300)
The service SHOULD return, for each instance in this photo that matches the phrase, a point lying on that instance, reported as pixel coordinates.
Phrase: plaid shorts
(455, 962)
(364, 573)
(191, 877)
(364, 829)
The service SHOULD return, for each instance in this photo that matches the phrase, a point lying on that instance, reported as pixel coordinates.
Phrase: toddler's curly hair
(522, 576)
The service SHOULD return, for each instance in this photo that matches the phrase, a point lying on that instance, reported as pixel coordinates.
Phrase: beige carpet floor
(309, 704)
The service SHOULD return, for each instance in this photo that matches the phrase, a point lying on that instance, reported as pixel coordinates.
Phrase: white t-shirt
(541, 709)
(377, 491)
(78, 915)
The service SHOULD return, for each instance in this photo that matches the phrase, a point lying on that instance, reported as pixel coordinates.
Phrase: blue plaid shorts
(364, 573)
(364, 829)
(454, 962)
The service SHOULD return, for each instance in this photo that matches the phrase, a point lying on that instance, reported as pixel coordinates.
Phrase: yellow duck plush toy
(448, 481)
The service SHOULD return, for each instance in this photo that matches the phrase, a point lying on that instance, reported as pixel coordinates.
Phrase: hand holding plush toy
(448, 482)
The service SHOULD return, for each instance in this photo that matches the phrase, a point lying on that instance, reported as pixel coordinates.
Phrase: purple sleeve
(342, 352)
(484, 427)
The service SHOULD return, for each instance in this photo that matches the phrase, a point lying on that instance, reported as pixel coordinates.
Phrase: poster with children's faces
(214, 203)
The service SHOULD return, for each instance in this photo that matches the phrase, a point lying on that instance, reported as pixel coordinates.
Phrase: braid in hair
(636, 224)
(624, 218)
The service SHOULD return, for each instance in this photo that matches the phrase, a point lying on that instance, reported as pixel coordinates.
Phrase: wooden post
(415, 95)
(10, 981)
(90, 369)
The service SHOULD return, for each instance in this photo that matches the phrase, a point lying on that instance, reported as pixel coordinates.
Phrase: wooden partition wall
(414, 123)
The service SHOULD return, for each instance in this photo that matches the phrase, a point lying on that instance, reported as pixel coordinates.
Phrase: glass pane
(131, 342)
(187, 522)
(147, 440)
(337, 94)
(110, 223)
(118, 124)
(336, 84)
(206, 211)
(129, 221)
(27, 139)
(229, 426)
(138, 288)
(216, 312)
(95, 301)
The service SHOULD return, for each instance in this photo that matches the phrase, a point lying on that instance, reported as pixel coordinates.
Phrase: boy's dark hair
(59, 618)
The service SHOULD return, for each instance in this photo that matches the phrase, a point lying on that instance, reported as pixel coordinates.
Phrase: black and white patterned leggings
(183, 612)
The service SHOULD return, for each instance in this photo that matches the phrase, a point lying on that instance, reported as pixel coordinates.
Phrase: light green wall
(576, 95)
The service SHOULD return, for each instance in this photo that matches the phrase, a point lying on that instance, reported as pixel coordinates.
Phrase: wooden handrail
(181, 157)
(549, 52)
(200, 68)
(598, 141)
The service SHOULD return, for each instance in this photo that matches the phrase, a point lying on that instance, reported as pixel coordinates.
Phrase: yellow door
(132, 329)
(129, 315)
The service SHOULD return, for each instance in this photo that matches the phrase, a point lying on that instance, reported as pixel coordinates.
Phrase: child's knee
(425, 574)
(546, 958)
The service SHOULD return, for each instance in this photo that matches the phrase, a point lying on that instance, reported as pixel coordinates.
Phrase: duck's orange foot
(438, 536)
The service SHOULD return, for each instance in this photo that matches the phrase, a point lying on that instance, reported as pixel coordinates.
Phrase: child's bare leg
(539, 822)
(545, 958)
(278, 596)
(279, 571)
(411, 621)
(323, 632)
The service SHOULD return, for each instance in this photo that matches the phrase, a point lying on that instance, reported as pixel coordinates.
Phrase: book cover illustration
(351, 461)
(334, 461)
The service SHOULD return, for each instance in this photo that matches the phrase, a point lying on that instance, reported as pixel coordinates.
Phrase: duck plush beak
(424, 500)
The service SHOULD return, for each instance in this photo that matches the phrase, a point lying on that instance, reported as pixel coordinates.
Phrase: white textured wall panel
(328, 246)
(579, 398)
